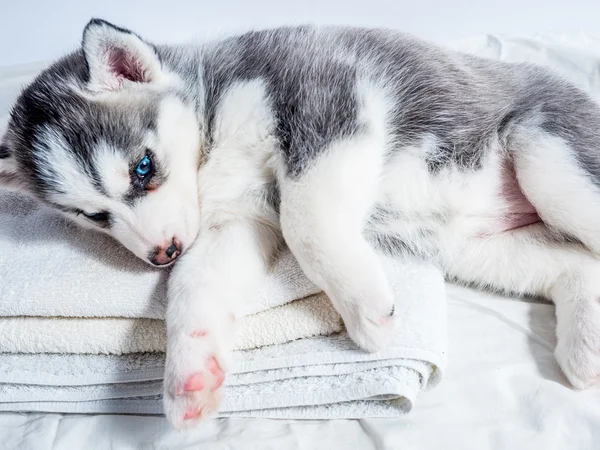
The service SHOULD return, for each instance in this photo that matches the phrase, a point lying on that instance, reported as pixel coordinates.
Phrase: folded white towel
(311, 316)
(324, 377)
(49, 267)
(320, 377)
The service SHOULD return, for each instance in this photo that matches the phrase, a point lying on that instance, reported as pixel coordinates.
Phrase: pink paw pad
(192, 413)
(198, 333)
(215, 369)
(195, 382)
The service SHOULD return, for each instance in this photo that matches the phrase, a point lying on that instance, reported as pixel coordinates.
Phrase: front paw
(194, 375)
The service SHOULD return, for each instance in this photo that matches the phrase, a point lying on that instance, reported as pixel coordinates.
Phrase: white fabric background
(33, 30)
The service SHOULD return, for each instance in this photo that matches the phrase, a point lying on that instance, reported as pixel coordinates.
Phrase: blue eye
(144, 167)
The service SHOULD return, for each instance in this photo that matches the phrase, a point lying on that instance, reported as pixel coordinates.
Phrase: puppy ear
(116, 56)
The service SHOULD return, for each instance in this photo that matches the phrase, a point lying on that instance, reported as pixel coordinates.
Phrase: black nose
(172, 249)
(166, 254)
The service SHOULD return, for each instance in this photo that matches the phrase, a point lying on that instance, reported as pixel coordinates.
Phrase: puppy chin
(162, 266)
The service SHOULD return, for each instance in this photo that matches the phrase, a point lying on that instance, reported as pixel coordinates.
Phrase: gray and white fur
(339, 142)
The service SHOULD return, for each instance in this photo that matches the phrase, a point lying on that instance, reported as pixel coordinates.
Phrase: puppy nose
(166, 254)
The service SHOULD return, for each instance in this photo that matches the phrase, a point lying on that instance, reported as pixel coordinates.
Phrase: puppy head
(106, 136)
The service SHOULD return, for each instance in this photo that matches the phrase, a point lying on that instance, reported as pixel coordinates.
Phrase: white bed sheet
(502, 390)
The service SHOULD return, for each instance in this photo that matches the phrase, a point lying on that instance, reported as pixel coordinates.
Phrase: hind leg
(323, 214)
(565, 195)
(530, 261)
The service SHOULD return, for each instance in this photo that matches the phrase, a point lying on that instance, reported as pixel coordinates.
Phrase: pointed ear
(116, 56)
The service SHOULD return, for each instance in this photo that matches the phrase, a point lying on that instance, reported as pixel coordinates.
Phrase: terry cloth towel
(312, 316)
(307, 317)
(319, 377)
(64, 273)
(63, 270)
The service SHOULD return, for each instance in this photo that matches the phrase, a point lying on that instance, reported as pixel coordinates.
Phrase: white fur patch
(323, 215)
(239, 166)
(113, 170)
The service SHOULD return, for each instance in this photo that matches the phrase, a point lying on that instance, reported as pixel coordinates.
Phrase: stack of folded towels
(81, 330)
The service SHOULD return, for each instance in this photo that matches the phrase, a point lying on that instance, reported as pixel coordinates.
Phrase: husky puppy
(340, 142)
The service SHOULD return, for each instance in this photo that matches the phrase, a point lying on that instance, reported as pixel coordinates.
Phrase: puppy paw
(578, 330)
(578, 348)
(194, 373)
(370, 320)
(372, 331)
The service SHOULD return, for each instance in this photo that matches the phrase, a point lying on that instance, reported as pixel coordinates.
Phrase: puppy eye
(144, 167)
(96, 217)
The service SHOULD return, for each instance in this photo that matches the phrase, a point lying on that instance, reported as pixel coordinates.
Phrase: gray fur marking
(462, 101)
(311, 75)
